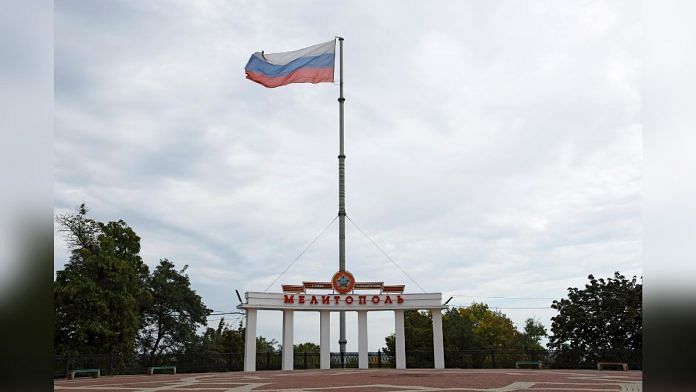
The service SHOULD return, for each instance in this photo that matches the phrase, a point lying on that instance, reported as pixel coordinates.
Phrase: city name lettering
(336, 299)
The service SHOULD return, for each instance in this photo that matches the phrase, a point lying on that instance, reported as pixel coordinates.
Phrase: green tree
(390, 345)
(602, 321)
(491, 329)
(174, 313)
(264, 345)
(224, 339)
(307, 347)
(465, 328)
(418, 333)
(100, 294)
(457, 330)
(532, 334)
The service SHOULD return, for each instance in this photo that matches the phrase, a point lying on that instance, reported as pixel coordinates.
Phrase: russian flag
(314, 64)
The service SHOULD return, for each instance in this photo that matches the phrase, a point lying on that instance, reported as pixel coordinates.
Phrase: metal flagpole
(341, 203)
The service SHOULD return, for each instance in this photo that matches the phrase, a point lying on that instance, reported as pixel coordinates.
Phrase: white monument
(343, 297)
(342, 294)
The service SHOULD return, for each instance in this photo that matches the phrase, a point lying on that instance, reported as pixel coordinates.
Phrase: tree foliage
(175, 312)
(418, 325)
(100, 295)
(474, 327)
(224, 339)
(532, 334)
(457, 330)
(491, 329)
(307, 347)
(106, 300)
(265, 345)
(229, 339)
(602, 321)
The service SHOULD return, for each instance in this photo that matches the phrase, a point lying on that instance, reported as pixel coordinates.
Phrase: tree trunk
(157, 342)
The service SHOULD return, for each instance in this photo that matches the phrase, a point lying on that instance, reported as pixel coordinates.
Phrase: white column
(288, 324)
(400, 341)
(438, 350)
(250, 341)
(362, 339)
(325, 339)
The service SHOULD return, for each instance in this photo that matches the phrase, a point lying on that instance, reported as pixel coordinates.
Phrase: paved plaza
(386, 380)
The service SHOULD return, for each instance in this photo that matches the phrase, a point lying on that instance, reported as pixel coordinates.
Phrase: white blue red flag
(314, 64)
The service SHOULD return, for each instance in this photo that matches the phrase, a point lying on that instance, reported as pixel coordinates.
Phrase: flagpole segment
(341, 168)
(341, 201)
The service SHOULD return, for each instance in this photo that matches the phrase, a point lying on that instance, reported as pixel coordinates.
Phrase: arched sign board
(346, 296)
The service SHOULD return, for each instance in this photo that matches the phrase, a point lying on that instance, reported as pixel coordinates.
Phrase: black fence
(272, 360)
(114, 364)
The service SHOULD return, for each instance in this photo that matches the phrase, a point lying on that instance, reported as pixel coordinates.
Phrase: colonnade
(325, 339)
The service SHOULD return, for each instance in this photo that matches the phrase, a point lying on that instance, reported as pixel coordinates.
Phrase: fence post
(67, 367)
(111, 364)
(268, 360)
(305, 359)
(193, 360)
(379, 358)
(493, 358)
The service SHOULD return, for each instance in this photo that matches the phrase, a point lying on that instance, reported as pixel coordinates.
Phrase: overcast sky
(493, 148)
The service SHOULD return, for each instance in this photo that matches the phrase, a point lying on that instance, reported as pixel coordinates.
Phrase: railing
(377, 359)
(113, 364)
